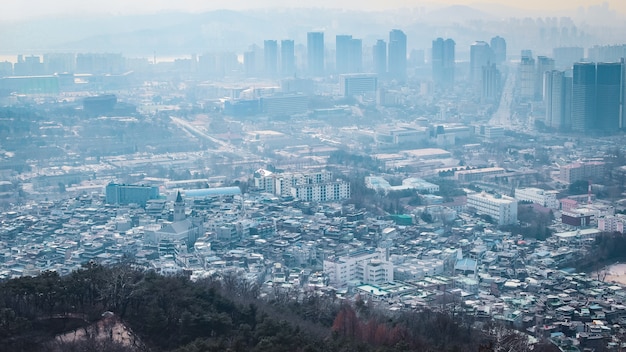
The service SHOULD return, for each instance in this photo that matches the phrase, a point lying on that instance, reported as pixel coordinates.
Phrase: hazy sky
(26, 9)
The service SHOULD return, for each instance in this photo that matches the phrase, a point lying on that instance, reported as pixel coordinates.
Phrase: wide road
(504, 116)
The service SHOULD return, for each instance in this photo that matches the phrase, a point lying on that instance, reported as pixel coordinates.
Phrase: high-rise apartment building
(526, 76)
(544, 64)
(498, 45)
(287, 58)
(315, 53)
(491, 84)
(270, 55)
(397, 55)
(348, 54)
(379, 53)
(557, 99)
(443, 62)
(480, 55)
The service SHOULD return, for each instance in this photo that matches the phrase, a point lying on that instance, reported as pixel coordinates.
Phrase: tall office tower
(349, 54)
(557, 99)
(491, 84)
(498, 45)
(287, 58)
(342, 53)
(270, 56)
(443, 62)
(379, 52)
(526, 76)
(356, 55)
(565, 57)
(397, 55)
(249, 63)
(544, 64)
(608, 96)
(480, 55)
(315, 53)
(583, 96)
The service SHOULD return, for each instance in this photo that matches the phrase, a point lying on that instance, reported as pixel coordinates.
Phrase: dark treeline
(607, 249)
(220, 314)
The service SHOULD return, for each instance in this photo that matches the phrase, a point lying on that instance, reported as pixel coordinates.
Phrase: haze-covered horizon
(187, 27)
(37, 9)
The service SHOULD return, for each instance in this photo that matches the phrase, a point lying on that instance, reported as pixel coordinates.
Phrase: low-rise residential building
(366, 266)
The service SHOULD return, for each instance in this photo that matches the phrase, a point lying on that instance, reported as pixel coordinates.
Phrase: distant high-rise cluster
(590, 99)
(484, 71)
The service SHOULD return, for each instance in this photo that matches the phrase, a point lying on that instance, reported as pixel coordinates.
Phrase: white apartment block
(612, 223)
(282, 184)
(321, 192)
(368, 267)
(539, 196)
(502, 209)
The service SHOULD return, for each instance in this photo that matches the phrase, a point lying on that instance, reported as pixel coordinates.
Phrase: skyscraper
(608, 91)
(270, 55)
(397, 55)
(379, 51)
(348, 54)
(287, 58)
(491, 84)
(526, 74)
(544, 64)
(480, 55)
(443, 62)
(583, 96)
(557, 99)
(249, 63)
(498, 45)
(315, 53)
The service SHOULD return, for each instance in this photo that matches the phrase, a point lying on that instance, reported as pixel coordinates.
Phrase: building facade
(538, 196)
(315, 53)
(443, 63)
(397, 55)
(502, 209)
(367, 266)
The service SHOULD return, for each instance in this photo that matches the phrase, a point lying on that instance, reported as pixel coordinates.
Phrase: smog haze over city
(313, 176)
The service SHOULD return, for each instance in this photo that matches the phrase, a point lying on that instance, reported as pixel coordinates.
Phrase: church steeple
(179, 208)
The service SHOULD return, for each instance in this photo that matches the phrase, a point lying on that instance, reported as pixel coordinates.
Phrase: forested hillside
(218, 314)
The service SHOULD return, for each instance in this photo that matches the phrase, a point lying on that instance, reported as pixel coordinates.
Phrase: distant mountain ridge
(178, 33)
